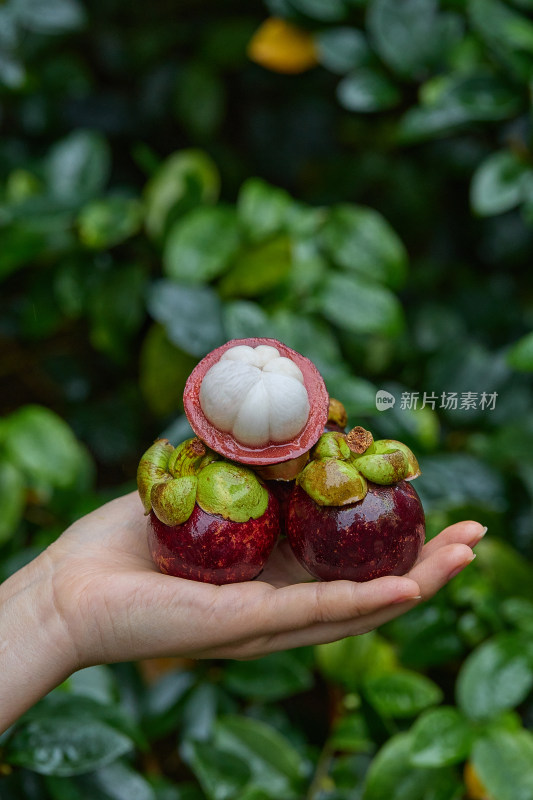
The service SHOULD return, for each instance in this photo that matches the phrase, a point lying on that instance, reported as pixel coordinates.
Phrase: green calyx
(172, 480)
(232, 491)
(341, 464)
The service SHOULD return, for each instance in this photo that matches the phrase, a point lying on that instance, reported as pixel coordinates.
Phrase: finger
(468, 532)
(430, 575)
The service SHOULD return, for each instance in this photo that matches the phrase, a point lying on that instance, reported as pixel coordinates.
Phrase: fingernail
(482, 534)
(461, 568)
(406, 599)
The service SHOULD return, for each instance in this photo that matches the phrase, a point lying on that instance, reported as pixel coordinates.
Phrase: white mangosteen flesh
(256, 395)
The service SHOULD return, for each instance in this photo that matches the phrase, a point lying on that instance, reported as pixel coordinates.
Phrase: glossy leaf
(349, 661)
(401, 693)
(275, 765)
(412, 36)
(67, 746)
(43, 447)
(263, 209)
(496, 676)
(498, 183)
(270, 678)
(222, 775)
(359, 305)
(190, 315)
(503, 762)
(440, 737)
(361, 240)
(258, 270)
(392, 776)
(201, 245)
(186, 179)
(106, 223)
(78, 166)
(342, 49)
(367, 90)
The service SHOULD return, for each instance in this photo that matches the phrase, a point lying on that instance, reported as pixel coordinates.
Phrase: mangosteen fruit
(258, 402)
(353, 514)
(209, 519)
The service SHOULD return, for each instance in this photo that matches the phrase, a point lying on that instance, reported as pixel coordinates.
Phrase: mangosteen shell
(271, 453)
(212, 549)
(382, 534)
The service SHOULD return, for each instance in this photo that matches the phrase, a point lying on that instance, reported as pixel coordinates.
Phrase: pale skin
(95, 597)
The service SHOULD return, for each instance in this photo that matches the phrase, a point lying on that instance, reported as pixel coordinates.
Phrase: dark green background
(376, 214)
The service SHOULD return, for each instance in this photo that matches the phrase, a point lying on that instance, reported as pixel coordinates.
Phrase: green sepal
(232, 491)
(152, 469)
(331, 482)
(173, 500)
(383, 468)
(386, 445)
(190, 457)
(331, 445)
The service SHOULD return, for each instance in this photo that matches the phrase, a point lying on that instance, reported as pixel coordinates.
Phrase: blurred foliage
(354, 178)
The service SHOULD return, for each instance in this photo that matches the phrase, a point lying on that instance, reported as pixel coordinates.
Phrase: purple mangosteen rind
(212, 549)
(382, 534)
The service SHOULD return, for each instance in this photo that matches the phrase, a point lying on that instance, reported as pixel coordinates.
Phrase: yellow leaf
(279, 46)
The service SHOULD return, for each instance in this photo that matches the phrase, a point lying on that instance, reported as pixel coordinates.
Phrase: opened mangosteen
(209, 520)
(352, 513)
(257, 402)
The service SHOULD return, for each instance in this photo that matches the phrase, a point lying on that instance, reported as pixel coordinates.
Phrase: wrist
(36, 651)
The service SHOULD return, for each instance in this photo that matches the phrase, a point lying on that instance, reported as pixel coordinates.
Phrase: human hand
(94, 596)
(116, 606)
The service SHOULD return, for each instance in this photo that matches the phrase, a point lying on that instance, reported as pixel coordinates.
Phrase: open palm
(117, 606)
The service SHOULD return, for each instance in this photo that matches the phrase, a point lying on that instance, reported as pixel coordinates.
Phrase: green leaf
(359, 305)
(19, 246)
(498, 183)
(342, 49)
(349, 661)
(332, 11)
(508, 34)
(392, 777)
(461, 100)
(412, 36)
(78, 166)
(270, 678)
(66, 746)
(496, 676)
(108, 222)
(520, 354)
(275, 765)
(351, 735)
(201, 245)
(263, 209)
(503, 763)
(401, 693)
(361, 240)
(367, 90)
(117, 781)
(190, 315)
(243, 318)
(12, 499)
(507, 570)
(222, 775)
(96, 682)
(163, 372)
(439, 487)
(162, 703)
(42, 446)
(440, 737)
(50, 16)
(186, 179)
(258, 270)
